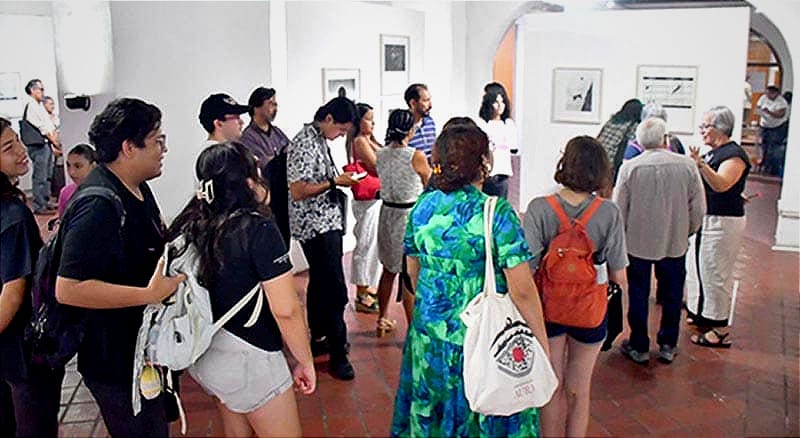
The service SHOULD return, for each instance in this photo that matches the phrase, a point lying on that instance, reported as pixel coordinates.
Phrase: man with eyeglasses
(220, 117)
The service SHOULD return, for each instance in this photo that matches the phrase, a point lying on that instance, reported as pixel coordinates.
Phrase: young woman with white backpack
(239, 245)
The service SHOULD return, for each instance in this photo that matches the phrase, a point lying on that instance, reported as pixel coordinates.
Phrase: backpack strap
(563, 219)
(590, 211)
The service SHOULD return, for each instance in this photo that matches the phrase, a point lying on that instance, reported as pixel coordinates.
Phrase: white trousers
(365, 268)
(709, 269)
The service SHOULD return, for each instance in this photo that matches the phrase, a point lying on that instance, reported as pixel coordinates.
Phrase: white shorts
(242, 376)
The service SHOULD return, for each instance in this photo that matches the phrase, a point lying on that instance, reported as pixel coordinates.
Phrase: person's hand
(161, 286)
(346, 180)
(56, 150)
(694, 153)
(305, 378)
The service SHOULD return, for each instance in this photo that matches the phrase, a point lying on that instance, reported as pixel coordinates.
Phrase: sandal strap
(720, 336)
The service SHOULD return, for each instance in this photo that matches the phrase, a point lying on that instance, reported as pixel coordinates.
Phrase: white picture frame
(674, 87)
(334, 78)
(11, 101)
(577, 95)
(395, 57)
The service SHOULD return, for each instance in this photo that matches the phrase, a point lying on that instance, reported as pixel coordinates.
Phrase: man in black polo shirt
(109, 270)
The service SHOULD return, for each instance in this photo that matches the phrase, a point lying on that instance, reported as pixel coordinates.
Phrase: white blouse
(503, 138)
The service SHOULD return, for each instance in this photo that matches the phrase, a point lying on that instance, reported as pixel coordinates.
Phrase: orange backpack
(567, 278)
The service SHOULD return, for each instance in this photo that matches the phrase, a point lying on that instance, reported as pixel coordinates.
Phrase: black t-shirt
(96, 248)
(730, 202)
(19, 245)
(252, 251)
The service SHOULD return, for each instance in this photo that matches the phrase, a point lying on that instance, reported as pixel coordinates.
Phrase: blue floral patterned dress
(445, 232)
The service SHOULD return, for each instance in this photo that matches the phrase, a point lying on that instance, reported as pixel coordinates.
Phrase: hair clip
(206, 191)
(437, 169)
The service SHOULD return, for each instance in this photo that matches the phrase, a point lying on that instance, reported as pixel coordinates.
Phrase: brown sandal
(385, 326)
(366, 303)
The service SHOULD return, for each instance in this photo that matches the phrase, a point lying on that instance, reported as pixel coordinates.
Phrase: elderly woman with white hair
(653, 109)
(724, 169)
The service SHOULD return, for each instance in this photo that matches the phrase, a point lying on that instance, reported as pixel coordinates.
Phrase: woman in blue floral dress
(444, 244)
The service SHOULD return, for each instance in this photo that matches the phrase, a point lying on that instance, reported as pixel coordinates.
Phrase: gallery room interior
(687, 55)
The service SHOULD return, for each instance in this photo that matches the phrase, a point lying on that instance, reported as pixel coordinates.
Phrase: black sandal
(703, 341)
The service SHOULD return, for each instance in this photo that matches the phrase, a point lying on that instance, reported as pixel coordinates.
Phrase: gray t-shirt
(605, 229)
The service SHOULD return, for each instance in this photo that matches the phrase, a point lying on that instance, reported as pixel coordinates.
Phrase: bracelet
(332, 183)
(701, 164)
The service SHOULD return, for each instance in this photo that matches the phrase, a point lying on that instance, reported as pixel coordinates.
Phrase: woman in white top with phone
(495, 120)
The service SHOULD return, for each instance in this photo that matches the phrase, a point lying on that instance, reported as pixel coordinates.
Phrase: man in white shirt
(40, 151)
(773, 109)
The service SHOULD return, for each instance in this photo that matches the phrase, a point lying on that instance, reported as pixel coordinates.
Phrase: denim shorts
(242, 376)
(580, 334)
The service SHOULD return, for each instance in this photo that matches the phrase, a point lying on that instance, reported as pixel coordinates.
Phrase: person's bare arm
(11, 300)
(412, 266)
(723, 179)
(366, 154)
(96, 294)
(289, 315)
(525, 295)
(619, 277)
(420, 164)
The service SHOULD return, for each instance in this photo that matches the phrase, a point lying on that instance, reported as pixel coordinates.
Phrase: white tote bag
(505, 368)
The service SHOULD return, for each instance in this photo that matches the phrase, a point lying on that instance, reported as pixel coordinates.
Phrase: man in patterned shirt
(419, 103)
(316, 220)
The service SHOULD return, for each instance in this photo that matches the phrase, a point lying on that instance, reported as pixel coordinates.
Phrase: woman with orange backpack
(571, 234)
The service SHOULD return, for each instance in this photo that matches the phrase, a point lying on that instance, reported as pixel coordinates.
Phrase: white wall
(602, 39)
(174, 54)
(32, 56)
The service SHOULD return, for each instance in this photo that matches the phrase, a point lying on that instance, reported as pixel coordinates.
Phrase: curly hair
(461, 153)
(584, 167)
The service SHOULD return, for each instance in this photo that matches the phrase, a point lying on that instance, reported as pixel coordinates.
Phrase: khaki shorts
(242, 376)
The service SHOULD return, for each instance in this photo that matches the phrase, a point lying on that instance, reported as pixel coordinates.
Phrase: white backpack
(177, 331)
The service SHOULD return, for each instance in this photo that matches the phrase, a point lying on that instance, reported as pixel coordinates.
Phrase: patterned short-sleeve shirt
(308, 160)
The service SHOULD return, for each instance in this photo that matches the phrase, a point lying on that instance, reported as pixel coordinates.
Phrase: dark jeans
(42, 160)
(327, 291)
(496, 186)
(670, 277)
(772, 139)
(117, 410)
(36, 403)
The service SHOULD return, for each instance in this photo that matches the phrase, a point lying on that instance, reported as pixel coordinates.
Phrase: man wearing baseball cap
(220, 116)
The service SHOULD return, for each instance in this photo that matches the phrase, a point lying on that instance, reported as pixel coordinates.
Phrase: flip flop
(703, 341)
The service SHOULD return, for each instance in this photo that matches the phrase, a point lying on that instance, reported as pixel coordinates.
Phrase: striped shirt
(425, 136)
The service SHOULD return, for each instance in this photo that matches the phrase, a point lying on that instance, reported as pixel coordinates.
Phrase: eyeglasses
(232, 117)
(704, 126)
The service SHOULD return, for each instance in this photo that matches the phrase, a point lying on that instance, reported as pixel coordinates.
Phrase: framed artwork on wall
(576, 95)
(11, 103)
(394, 64)
(334, 79)
(672, 87)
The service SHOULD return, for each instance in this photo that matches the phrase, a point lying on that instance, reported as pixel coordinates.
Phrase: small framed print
(336, 80)
(394, 64)
(576, 95)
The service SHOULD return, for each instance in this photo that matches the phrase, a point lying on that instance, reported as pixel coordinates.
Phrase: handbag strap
(489, 285)
(255, 291)
(25, 112)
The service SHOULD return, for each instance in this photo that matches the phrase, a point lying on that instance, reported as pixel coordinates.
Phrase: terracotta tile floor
(749, 390)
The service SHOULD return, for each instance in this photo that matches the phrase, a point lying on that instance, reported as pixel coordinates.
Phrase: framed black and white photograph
(394, 64)
(345, 79)
(576, 95)
(672, 87)
(10, 94)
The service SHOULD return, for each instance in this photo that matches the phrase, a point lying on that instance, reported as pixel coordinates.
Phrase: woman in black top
(36, 391)
(239, 246)
(724, 170)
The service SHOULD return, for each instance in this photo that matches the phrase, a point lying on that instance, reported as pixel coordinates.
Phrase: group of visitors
(258, 188)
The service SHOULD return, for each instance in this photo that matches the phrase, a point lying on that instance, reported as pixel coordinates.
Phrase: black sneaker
(340, 368)
(666, 354)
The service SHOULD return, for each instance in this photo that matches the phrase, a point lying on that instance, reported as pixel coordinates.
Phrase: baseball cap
(217, 106)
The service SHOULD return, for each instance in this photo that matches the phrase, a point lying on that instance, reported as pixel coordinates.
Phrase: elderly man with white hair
(661, 197)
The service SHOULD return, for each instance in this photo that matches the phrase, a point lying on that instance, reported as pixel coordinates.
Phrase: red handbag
(369, 187)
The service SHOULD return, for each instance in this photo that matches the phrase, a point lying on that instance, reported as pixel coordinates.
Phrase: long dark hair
(492, 90)
(228, 166)
(631, 111)
(361, 110)
(460, 154)
(401, 122)
(7, 189)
